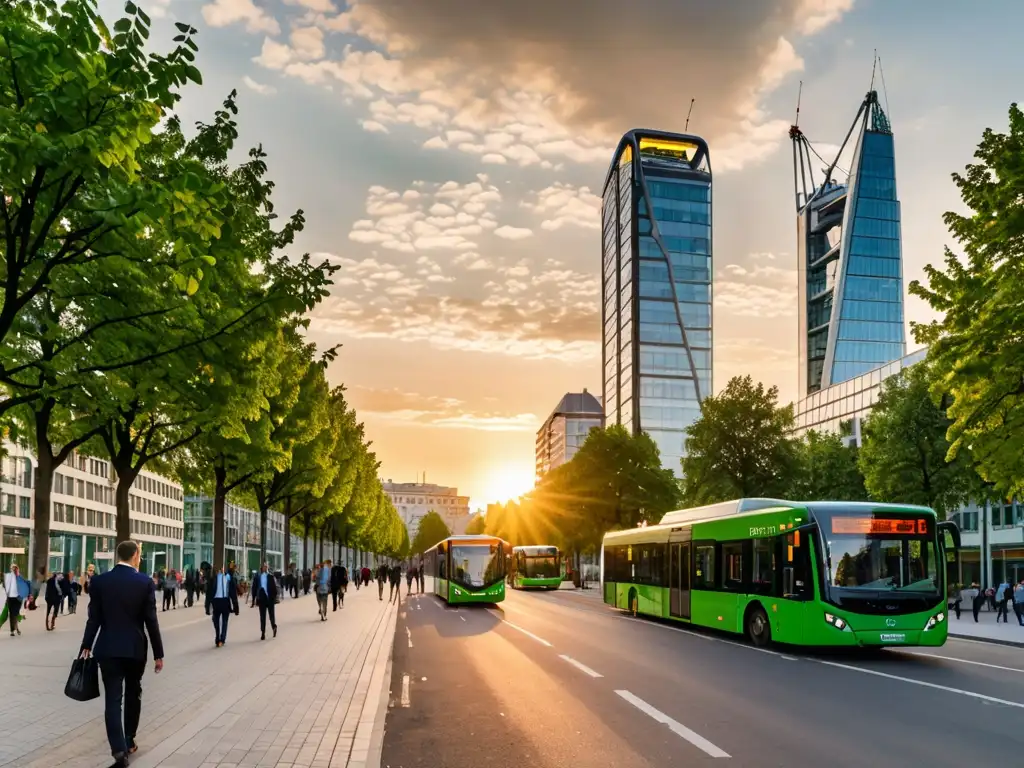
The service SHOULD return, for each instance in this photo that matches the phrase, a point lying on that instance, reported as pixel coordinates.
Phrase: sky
(449, 157)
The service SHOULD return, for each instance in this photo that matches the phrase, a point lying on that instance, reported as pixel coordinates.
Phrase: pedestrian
(382, 578)
(16, 589)
(264, 595)
(190, 587)
(221, 600)
(323, 588)
(395, 578)
(978, 601)
(410, 574)
(420, 572)
(307, 580)
(122, 602)
(1005, 596)
(73, 590)
(339, 583)
(1018, 602)
(54, 596)
(367, 575)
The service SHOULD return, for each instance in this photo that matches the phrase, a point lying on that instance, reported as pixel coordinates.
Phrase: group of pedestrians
(999, 599)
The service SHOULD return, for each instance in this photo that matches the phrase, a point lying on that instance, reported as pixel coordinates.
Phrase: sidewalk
(986, 629)
(309, 698)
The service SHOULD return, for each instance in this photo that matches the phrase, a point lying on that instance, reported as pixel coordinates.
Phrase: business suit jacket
(122, 609)
(257, 591)
(211, 591)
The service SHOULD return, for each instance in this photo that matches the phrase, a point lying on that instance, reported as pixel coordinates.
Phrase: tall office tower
(656, 267)
(850, 265)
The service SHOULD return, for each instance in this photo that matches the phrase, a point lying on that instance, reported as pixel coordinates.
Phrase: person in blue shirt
(264, 594)
(323, 587)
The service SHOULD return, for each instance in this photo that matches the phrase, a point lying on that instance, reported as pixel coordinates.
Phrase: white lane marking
(406, 700)
(462, 617)
(953, 658)
(408, 634)
(581, 667)
(675, 726)
(528, 633)
(936, 686)
(702, 636)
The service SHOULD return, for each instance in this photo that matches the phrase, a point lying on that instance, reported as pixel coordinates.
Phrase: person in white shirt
(11, 587)
(221, 600)
(264, 594)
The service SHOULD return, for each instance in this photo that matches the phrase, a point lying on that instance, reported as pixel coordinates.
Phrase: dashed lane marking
(527, 632)
(674, 725)
(406, 700)
(581, 667)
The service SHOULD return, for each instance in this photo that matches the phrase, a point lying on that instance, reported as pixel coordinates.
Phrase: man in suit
(221, 599)
(264, 594)
(121, 603)
(339, 581)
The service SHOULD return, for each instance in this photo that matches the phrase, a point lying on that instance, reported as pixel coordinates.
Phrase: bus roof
(470, 539)
(684, 517)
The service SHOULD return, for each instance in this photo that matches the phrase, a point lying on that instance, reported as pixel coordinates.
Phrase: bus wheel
(759, 630)
(633, 601)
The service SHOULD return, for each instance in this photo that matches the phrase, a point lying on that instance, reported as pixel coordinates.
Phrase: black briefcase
(84, 681)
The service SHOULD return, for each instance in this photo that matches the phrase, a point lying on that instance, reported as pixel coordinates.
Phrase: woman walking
(54, 596)
(73, 589)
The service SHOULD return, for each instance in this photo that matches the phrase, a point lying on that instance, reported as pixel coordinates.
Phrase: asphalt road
(558, 680)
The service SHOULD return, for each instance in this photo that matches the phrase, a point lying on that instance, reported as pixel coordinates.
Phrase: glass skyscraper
(656, 268)
(850, 264)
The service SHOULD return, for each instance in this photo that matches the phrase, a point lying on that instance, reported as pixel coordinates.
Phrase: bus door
(679, 577)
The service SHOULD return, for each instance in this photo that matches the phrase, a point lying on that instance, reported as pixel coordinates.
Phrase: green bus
(535, 566)
(468, 569)
(815, 573)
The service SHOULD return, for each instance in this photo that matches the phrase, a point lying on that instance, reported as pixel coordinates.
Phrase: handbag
(84, 681)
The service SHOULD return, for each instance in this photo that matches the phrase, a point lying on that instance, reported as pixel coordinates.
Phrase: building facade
(414, 500)
(83, 516)
(850, 266)
(565, 430)
(241, 536)
(656, 287)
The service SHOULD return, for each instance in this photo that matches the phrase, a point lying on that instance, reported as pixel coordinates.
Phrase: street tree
(740, 446)
(477, 526)
(904, 456)
(976, 347)
(432, 529)
(826, 468)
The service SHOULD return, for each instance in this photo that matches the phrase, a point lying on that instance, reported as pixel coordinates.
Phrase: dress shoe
(275, 631)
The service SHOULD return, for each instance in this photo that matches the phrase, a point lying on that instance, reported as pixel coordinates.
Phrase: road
(557, 679)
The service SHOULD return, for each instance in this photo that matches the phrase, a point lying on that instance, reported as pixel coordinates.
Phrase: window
(704, 576)
(732, 559)
(763, 576)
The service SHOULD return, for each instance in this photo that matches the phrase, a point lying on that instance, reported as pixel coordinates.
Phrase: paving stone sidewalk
(309, 698)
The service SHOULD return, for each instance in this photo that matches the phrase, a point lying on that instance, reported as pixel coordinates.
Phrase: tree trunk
(305, 540)
(263, 534)
(220, 475)
(321, 535)
(43, 488)
(121, 498)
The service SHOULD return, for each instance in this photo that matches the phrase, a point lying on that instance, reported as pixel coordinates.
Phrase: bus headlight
(935, 620)
(838, 622)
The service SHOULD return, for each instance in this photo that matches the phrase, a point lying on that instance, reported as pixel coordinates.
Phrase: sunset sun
(508, 481)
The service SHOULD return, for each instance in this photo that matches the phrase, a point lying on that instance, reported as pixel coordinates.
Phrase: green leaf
(122, 25)
(130, 8)
(192, 286)
(182, 27)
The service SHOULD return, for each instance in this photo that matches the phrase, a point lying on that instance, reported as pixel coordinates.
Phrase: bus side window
(764, 567)
(797, 582)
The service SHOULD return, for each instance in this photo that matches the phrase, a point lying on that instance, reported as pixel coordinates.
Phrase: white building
(83, 516)
(414, 500)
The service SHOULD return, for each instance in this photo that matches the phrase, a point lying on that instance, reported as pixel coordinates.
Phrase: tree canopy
(904, 456)
(826, 468)
(976, 347)
(739, 446)
(432, 529)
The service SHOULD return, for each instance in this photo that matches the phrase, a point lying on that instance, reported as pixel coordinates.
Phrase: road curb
(989, 640)
(376, 751)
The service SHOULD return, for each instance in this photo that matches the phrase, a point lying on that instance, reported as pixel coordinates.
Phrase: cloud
(414, 409)
(274, 55)
(258, 87)
(565, 205)
(323, 6)
(307, 43)
(513, 233)
(449, 216)
(158, 8)
(529, 82)
(374, 127)
(222, 13)
(759, 290)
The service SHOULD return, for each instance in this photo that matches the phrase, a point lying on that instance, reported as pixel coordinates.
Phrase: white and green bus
(813, 573)
(538, 566)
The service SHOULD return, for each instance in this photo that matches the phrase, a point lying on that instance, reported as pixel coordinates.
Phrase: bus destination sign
(868, 525)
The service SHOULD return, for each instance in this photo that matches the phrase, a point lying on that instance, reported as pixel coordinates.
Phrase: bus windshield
(876, 553)
(477, 565)
(540, 567)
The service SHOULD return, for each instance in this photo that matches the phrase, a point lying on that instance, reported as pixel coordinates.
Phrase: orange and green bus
(538, 566)
(468, 569)
(816, 573)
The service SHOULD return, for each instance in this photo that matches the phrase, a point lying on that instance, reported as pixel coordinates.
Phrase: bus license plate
(893, 637)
